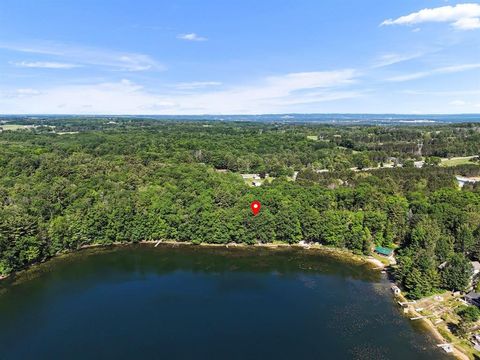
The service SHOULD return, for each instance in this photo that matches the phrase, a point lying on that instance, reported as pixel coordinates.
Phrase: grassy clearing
(250, 180)
(455, 161)
(14, 127)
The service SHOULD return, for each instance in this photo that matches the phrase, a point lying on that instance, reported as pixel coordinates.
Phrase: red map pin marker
(255, 206)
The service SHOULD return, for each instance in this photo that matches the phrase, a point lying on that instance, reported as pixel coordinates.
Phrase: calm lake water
(142, 302)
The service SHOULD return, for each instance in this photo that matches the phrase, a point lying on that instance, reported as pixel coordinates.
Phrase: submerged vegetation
(67, 183)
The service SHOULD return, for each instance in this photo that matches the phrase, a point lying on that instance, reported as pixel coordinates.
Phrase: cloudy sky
(239, 56)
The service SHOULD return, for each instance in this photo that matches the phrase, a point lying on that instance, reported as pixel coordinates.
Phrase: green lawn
(455, 161)
(13, 127)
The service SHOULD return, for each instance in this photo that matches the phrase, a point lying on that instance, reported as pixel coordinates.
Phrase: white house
(476, 268)
(419, 164)
(462, 180)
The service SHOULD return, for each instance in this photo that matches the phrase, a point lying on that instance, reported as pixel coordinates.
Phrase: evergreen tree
(457, 273)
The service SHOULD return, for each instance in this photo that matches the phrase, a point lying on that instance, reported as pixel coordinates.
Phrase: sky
(179, 57)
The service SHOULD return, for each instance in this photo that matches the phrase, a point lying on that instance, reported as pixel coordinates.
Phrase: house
(473, 298)
(384, 251)
(251, 176)
(476, 341)
(462, 180)
(476, 268)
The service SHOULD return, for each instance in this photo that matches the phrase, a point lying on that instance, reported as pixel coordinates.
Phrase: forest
(70, 182)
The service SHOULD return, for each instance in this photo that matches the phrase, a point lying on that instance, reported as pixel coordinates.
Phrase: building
(384, 251)
(476, 341)
(473, 298)
(251, 176)
(462, 180)
(476, 268)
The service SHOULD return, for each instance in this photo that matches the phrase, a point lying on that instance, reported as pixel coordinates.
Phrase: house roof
(383, 250)
(473, 296)
(476, 265)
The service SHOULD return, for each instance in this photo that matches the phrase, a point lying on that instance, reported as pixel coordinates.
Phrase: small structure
(384, 251)
(442, 265)
(476, 341)
(448, 348)
(476, 268)
(473, 298)
(251, 176)
(462, 180)
(256, 183)
(396, 290)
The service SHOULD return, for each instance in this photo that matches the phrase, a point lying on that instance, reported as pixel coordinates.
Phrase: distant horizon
(246, 114)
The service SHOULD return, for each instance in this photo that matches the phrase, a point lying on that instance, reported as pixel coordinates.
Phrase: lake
(141, 302)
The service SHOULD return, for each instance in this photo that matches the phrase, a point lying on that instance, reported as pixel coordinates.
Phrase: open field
(15, 127)
(455, 161)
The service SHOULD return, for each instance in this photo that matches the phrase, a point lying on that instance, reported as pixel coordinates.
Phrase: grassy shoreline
(458, 352)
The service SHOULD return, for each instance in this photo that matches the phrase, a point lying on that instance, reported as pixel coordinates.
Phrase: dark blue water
(197, 303)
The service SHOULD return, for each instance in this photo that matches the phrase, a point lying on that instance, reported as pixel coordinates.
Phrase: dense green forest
(67, 183)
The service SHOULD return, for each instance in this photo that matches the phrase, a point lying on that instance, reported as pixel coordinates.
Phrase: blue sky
(239, 56)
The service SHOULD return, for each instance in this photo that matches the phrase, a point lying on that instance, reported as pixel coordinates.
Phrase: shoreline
(339, 253)
(336, 252)
(431, 328)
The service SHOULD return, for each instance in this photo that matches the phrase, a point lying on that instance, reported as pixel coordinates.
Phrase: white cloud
(393, 58)
(27, 91)
(196, 85)
(442, 70)
(442, 93)
(44, 65)
(19, 93)
(467, 23)
(458, 103)
(460, 16)
(282, 93)
(81, 55)
(191, 37)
